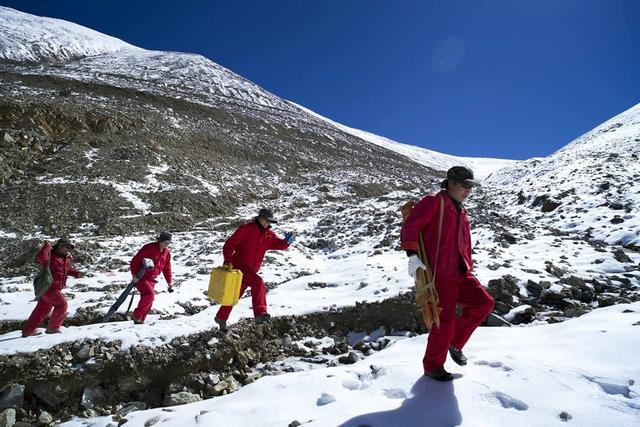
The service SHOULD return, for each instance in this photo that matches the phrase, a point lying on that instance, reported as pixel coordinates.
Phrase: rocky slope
(590, 187)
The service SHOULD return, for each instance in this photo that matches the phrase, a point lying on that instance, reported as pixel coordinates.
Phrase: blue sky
(494, 78)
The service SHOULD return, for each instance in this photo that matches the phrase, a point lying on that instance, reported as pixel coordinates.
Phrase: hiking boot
(52, 331)
(440, 375)
(31, 334)
(222, 324)
(263, 318)
(137, 321)
(457, 356)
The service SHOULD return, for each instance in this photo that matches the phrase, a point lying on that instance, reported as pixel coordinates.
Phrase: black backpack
(43, 280)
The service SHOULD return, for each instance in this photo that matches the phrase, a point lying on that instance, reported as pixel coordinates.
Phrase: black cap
(267, 214)
(64, 242)
(462, 175)
(164, 236)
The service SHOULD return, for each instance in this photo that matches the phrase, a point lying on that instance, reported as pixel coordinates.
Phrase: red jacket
(246, 247)
(454, 257)
(161, 262)
(60, 266)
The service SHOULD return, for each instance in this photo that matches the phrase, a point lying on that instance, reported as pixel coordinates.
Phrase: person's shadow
(433, 404)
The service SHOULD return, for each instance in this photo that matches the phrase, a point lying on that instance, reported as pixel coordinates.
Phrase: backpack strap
(439, 235)
(423, 251)
(49, 259)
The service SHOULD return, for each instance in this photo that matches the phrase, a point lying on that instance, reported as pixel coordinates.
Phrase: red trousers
(147, 294)
(455, 331)
(53, 298)
(258, 296)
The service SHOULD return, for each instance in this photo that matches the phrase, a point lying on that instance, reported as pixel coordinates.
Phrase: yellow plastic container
(224, 285)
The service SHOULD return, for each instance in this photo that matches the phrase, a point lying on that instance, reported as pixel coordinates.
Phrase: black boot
(457, 356)
(222, 324)
(263, 318)
(440, 375)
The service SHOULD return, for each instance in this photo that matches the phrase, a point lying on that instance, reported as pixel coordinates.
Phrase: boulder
(85, 352)
(54, 394)
(509, 238)
(553, 295)
(92, 397)
(503, 289)
(621, 256)
(132, 406)
(495, 320)
(502, 308)
(606, 300)
(45, 418)
(12, 396)
(534, 288)
(350, 359)
(521, 314)
(7, 139)
(555, 271)
(181, 398)
(8, 418)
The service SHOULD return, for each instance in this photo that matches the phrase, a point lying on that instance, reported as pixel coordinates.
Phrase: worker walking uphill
(158, 252)
(455, 284)
(58, 261)
(245, 250)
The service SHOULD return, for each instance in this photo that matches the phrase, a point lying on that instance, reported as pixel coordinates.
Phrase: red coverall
(162, 264)
(60, 268)
(245, 249)
(454, 282)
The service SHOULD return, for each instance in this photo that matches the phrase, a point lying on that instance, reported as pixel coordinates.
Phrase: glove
(289, 238)
(414, 264)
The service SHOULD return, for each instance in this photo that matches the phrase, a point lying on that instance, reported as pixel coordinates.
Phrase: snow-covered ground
(584, 370)
(305, 280)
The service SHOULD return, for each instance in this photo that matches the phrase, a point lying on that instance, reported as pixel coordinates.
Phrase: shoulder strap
(49, 260)
(435, 267)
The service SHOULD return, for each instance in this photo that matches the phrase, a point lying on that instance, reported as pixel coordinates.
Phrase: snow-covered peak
(482, 167)
(29, 38)
(589, 186)
(619, 134)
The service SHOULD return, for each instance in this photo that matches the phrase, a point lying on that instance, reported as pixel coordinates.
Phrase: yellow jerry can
(224, 285)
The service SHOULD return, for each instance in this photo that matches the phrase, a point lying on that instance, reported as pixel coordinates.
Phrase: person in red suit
(245, 250)
(455, 283)
(59, 261)
(158, 253)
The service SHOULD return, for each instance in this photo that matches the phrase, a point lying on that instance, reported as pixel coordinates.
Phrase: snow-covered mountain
(589, 187)
(104, 60)
(482, 167)
(111, 144)
(31, 38)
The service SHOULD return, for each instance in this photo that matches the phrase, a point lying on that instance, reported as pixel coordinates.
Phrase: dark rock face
(546, 203)
(11, 396)
(100, 148)
(534, 288)
(524, 316)
(503, 291)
